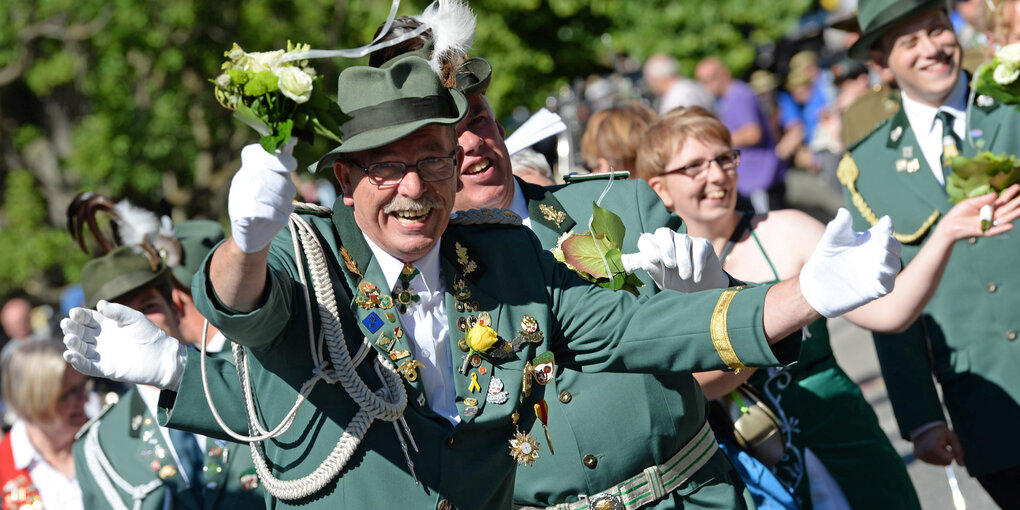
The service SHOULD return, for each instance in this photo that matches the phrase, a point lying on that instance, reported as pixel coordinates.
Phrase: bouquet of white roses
(277, 96)
(1000, 78)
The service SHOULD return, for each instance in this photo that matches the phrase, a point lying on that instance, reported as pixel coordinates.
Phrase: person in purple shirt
(761, 173)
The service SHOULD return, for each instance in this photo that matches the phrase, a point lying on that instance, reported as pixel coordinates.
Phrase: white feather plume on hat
(138, 226)
(453, 31)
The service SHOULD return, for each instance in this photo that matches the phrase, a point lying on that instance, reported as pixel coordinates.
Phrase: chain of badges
(19, 493)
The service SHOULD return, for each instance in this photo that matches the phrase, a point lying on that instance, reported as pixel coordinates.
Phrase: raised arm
(260, 201)
(916, 285)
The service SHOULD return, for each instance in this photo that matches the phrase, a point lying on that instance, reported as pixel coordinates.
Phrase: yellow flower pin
(481, 338)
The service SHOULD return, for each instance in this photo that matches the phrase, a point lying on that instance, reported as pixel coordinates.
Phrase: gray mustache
(423, 203)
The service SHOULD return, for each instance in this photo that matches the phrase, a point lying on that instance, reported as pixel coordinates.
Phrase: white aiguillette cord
(387, 403)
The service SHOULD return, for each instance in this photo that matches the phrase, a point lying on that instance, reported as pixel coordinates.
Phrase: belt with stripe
(652, 483)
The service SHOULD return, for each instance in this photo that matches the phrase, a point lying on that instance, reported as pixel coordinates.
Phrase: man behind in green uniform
(124, 458)
(967, 337)
(418, 286)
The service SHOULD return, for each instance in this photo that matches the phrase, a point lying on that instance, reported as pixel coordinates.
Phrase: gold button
(590, 461)
(992, 287)
(444, 504)
(565, 396)
(971, 240)
(1011, 335)
(450, 441)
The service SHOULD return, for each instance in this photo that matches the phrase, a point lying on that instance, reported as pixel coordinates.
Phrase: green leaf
(249, 117)
(279, 136)
(585, 253)
(603, 221)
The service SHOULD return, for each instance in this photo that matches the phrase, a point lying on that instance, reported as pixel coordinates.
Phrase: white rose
(1009, 53)
(294, 83)
(1005, 75)
(223, 80)
(261, 61)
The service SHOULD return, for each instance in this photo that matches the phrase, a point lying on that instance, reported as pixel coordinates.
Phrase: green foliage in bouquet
(1000, 78)
(981, 174)
(595, 255)
(279, 98)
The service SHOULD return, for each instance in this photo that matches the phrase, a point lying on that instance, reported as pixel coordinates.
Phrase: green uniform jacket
(510, 277)
(969, 329)
(130, 438)
(608, 427)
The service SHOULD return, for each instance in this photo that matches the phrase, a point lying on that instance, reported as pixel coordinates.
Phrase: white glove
(119, 343)
(849, 269)
(677, 261)
(261, 196)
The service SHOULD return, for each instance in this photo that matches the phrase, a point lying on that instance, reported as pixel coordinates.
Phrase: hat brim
(386, 135)
(126, 284)
(899, 12)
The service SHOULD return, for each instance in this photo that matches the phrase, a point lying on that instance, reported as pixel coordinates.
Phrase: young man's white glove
(261, 196)
(677, 261)
(849, 269)
(119, 343)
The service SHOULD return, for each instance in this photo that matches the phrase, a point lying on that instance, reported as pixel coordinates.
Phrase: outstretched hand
(677, 261)
(963, 220)
(119, 343)
(849, 269)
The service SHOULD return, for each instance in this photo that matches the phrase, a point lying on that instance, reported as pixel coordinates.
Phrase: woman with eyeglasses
(687, 158)
(36, 464)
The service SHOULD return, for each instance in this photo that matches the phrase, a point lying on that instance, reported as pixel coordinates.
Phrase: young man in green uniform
(124, 458)
(493, 316)
(967, 336)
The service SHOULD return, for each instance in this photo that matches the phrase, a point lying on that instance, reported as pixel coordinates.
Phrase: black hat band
(399, 111)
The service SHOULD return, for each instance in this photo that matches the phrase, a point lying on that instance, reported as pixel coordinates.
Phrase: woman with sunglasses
(687, 157)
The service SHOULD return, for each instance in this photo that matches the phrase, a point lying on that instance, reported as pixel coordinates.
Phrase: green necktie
(950, 142)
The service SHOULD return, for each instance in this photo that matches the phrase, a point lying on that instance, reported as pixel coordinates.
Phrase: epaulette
(95, 419)
(864, 138)
(309, 208)
(486, 217)
(601, 176)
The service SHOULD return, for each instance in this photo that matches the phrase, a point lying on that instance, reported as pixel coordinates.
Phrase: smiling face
(924, 56)
(407, 219)
(486, 173)
(710, 195)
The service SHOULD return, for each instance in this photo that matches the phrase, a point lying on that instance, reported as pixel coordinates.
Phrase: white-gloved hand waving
(677, 261)
(261, 196)
(119, 343)
(849, 269)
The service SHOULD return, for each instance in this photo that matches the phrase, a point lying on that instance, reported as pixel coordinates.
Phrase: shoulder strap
(745, 221)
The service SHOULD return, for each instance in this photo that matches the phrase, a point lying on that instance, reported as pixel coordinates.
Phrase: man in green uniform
(459, 314)
(967, 336)
(124, 458)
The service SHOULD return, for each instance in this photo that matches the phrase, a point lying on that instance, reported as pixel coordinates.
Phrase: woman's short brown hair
(32, 378)
(613, 134)
(664, 138)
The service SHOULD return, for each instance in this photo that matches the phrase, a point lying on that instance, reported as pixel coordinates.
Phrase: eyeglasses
(81, 391)
(390, 173)
(727, 162)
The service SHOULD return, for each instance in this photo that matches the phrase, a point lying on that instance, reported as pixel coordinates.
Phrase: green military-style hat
(388, 103)
(124, 270)
(473, 76)
(197, 239)
(876, 17)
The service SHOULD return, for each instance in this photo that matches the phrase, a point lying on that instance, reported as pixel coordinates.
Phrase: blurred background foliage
(112, 96)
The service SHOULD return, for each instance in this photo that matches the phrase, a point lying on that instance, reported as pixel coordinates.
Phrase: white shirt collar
(215, 344)
(428, 266)
(519, 205)
(24, 453)
(922, 116)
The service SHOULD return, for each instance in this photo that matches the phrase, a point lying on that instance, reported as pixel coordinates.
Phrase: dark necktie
(950, 142)
(192, 460)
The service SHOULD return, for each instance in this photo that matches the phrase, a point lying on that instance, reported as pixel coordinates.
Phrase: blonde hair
(32, 378)
(664, 138)
(999, 18)
(614, 134)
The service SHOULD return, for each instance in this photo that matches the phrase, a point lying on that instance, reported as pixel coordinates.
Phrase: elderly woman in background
(688, 159)
(36, 465)
(611, 139)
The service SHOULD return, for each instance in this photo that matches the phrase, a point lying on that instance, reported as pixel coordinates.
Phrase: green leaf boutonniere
(595, 255)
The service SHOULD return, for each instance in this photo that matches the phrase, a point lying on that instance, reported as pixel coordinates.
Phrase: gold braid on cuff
(847, 173)
(720, 335)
